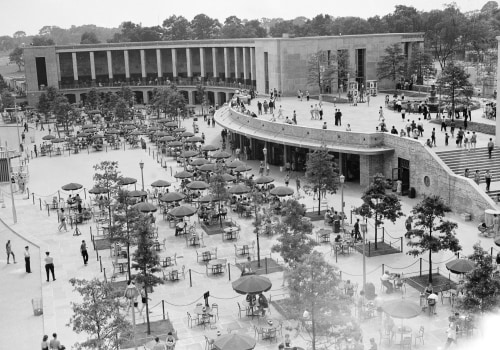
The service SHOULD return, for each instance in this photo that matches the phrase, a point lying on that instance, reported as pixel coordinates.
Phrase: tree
(282, 27)
(233, 28)
(404, 19)
(201, 96)
(16, 56)
(98, 315)
(107, 175)
(321, 69)
(19, 34)
(63, 111)
(218, 186)
(482, 285)
(121, 110)
(343, 69)
(146, 260)
(176, 28)
(43, 104)
(89, 38)
(168, 99)
(7, 100)
(293, 240)
(253, 29)
(93, 99)
(424, 216)
(42, 41)
(393, 64)
(422, 65)
(313, 285)
(378, 203)
(204, 27)
(322, 173)
(321, 25)
(455, 79)
(127, 94)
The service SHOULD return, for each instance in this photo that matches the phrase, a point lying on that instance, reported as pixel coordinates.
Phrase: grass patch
(215, 228)
(272, 266)
(158, 329)
(102, 244)
(439, 282)
(488, 129)
(382, 249)
(313, 215)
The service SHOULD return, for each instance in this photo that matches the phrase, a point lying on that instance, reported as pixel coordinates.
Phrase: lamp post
(264, 150)
(131, 294)
(141, 165)
(364, 228)
(342, 180)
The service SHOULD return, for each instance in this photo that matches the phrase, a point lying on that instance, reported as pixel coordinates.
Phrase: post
(364, 261)
(190, 280)
(100, 263)
(59, 195)
(40, 200)
(342, 180)
(141, 165)
(163, 308)
(421, 267)
(401, 244)
(85, 192)
(383, 268)
(383, 233)
(229, 270)
(28, 192)
(265, 261)
(33, 196)
(369, 248)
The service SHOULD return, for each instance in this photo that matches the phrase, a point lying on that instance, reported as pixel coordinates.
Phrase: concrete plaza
(38, 229)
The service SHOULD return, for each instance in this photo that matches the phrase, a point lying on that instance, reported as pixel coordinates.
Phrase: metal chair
(215, 311)
(240, 309)
(405, 343)
(420, 335)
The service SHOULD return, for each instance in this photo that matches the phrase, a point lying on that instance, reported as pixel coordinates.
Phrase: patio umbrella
(228, 177)
(239, 189)
(97, 136)
(124, 181)
(172, 197)
(194, 139)
(166, 138)
(188, 154)
(183, 175)
(182, 211)
(58, 140)
(178, 130)
(198, 162)
(161, 183)
(242, 168)
(91, 130)
(175, 144)
(170, 124)
(129, 127)
(88, 126)
(281, 191)
(207, 167)
(137, 193)
(187, 134)
(264, 180)
(235, 163)
(98, 190)
(161, 133)
(198, 185)
(112, 131)
(460, 266)
(208, 198)
(252, 284)
(153, 128)
(234, 341)
(402, 308)
(136, 133)
(209, 148)
(220, 155)
(145, 207)
(48, 137)
(72, 186)
(128, 122)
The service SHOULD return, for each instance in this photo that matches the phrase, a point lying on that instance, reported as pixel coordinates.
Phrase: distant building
(221, 65)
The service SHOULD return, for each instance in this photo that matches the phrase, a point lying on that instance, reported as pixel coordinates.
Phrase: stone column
(110, 66)
(370, 166)
(216, 97)
(497, 138)
(174, 63)
(202, 63)
(143, 66)
(236, 73)
(245, 73)
(145, 97)
(252, 64)
(58, 66)
(92, 67)
(158, 63)
(226, 64)
(127, 67)
(190, 97)
(285, 155)
(75, 67)
(189, 63)
(214, 62)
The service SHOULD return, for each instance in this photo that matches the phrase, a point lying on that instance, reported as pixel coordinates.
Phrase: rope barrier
(388, 234)
(401, 268)
(440, 262)
(368, 273)
(180, 305)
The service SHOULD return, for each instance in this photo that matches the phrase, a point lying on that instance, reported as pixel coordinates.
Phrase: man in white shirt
(27, 259)
(386, 282)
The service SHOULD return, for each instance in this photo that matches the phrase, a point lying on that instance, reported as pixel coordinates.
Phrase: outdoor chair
(259, 332)
(385, 335)
(420, 335)
(191, 320)
(215, 311)
(209, 343)
(405, 343)
(240, 309)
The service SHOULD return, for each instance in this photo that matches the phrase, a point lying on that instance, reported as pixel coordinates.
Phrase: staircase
(460, 159)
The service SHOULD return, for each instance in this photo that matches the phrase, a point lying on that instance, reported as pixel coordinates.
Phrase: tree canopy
(392, 65)
(16, 56)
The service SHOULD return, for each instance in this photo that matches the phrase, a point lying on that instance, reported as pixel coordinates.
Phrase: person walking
(287, 180)
(491, 145)
(473, 140)
(433, 137)
(49, 266)
(27, 263)
(297, 184)
(487, 178)
(54, 344)
(380, 113)
(8, 250)
(83, 251)
(451, 333)
(477, 177)
(143, 300)
(62, 221)
(45, 343)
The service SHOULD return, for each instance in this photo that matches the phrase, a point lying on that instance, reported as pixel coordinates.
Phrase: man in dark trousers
(27, 259)
(491, 145)
(49, 266)
(83, 250)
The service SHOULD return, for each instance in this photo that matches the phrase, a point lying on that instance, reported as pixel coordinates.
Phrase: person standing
(49, 266)
(487, 178)
(451, 333)
(297, 184)
(45, 343)
(380, 113)
(491, 145)
(62, 220)
(287, 180)
(83, 251)
(477, 177)
(27, 262)
(473, 140)
(433, 137)
(8, 250)
(55, 344)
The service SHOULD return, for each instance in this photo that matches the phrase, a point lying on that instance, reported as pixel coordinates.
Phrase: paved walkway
(47, 175)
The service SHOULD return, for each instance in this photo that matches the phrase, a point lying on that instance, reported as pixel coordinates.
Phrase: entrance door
(402, 173)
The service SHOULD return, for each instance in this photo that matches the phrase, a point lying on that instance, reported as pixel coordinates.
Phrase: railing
(149, 82)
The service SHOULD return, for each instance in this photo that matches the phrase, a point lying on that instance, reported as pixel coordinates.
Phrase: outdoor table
(168, 261)
(204, 311)
(206, 255)
(217, 266)
(323, 235)
(403, 331)
(252, 309)
(269, 330)
(243, 249)
(121, 264)
(193, 240)
(230, 233)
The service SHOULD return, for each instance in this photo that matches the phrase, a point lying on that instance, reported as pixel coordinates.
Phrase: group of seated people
(391, 281)
(261, 302)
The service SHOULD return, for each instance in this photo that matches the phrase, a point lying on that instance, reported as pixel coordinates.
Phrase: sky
(31, 15)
